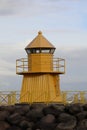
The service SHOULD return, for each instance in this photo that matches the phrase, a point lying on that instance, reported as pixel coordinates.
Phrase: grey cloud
(6, 12)
(28, 7)
(10, 7)
(7, 7)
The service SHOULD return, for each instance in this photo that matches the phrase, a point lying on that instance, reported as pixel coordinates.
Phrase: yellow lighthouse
(41, 72)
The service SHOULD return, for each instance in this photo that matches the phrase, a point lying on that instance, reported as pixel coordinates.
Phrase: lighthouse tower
(41, 72)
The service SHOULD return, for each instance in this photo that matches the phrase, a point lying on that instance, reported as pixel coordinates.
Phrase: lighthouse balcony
(57, 65)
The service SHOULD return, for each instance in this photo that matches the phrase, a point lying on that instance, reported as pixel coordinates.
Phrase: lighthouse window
(28, 51)
(45, 50)
(37, 51)
(52, 51)
(33, 50)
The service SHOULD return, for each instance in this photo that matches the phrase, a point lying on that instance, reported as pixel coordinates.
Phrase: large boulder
(82, 115)
(48, 119)
(53, 109)
(14, 128)
(4, 125)
(66, 122)
(14, 119)
(34, 115)
(3, 115)
(74, 108)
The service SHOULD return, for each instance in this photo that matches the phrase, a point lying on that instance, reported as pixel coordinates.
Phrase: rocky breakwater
(43, 117)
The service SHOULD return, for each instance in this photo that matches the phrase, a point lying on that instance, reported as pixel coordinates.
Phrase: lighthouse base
(40, 88)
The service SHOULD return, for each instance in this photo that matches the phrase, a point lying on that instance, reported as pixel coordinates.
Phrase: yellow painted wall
(40, 62)
(40, 88)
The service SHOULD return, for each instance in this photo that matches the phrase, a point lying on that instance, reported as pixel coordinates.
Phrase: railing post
(58, 64)
(9, 99)
(76, 98)
(64, 65)
(13, 97)
(82, 98)
(64, 97)
(23, 64)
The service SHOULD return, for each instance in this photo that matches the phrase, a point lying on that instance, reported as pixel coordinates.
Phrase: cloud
(7, 7)
(16, 7)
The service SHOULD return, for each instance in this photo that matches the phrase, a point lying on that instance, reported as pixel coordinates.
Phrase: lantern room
(40, 54)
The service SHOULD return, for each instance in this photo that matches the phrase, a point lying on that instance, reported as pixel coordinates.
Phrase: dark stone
(23, 107)
(85, 107)
(44, 126)
(10, 109)
(74, 108)
(48, 119)
(34, 115)
(3, 115)
(26, 124)
(66, 122)
(28, 129)
(4, 125)
(83, 123)
(64, 117)
(43, 117)
(59, 107)
(69, 125)
(52, 109)
(82, 115)
(14, 118)
(14, 128)
(81, 128)
(37, 106)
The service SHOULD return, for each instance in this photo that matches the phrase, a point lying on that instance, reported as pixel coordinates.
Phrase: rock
(44, 126)
(14, 128)
(75, 108)
(64, 117)
(37, 106)
(28, 129)
(83, 123)
(82, 115)
(34, 115)
(10, 109)
(24, 107)
(85, 107)
(59, 107)
(3, 115)
(48, 119)
(52, 109)
(66, 122)
(43, 117)
(14, 119)
(26, 124)
(69, 125)
(81, 128)
(4, 125)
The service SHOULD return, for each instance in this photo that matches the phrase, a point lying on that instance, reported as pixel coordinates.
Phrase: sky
(62, 22)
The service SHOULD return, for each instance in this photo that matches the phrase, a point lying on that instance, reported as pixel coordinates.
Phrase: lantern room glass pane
(40, 50)
(28, 51)
(45, 50)
(52, 51)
